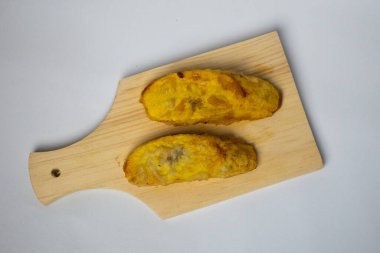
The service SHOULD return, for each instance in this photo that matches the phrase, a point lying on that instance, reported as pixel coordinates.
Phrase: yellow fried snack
(209, 96)
(188, 157)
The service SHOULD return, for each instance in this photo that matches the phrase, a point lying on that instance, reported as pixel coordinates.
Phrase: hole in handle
(55, 172)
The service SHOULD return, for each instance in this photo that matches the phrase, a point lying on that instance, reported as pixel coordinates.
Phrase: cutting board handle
(54, 174)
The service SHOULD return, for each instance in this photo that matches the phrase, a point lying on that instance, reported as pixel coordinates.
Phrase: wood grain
(284, 142)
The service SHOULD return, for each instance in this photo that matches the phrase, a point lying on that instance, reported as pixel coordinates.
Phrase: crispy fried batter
(209, 96)
(188, 157)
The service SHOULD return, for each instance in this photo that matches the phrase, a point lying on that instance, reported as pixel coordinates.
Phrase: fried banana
(209, 96)
(188, 157)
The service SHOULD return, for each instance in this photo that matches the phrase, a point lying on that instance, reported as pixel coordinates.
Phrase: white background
(60, 62)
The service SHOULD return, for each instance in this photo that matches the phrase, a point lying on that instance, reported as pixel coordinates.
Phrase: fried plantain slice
(209, 96)
(188, 157)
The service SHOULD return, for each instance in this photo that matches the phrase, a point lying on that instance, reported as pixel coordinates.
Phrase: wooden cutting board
(284, 142)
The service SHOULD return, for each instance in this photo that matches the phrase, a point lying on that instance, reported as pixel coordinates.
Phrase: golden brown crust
(209, 96)
(188, 157)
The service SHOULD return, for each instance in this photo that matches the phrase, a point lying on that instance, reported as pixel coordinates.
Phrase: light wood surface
(284, 142)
